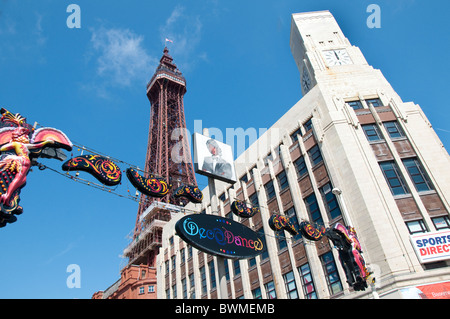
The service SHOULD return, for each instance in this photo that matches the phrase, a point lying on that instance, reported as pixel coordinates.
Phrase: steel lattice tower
(168, 151)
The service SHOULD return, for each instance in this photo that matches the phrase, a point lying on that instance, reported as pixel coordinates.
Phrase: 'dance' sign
(220, 236)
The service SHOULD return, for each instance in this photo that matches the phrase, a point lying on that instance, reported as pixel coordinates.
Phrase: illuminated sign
(432, 246)
(220, 236)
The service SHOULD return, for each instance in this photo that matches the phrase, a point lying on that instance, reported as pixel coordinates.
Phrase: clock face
(306, 81)
(337, 57)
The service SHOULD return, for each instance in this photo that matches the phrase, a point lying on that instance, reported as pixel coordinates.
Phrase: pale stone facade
(352, 119)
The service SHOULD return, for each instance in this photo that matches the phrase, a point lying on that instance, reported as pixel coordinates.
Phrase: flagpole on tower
(168, 40)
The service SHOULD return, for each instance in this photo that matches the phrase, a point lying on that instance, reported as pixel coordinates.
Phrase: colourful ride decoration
(20, 145)
(312, 232)
(192, 193)
(102, 168)
(278, 223)
(241, 209)
(152, 186)
(350, 255)
(344, 240)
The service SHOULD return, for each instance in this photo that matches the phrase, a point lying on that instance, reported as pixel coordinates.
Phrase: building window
(307, 282)
(315, 155)
(184, 285)
(374, 102)
(300, 166)
(394, 178)
(294, 136)
(417, 174)
(174, 291)
(394, 130)
(167, 293)
(222, 197)
(372, 132)
(236, 267)
(167, 267)
(313, 209)
(270, 190)
(308, 125)
(331, 273)
(330, 201)
(282, 180)
(291, 287)
(356, 105)
(212, 274)
(441, 222)
(203, 280)
(227, 271)
(252, 262)
(141, 290)
(151, 288)
(171, 241)
(277, 152)
(182, 256)
(416, 227)
(281, 239)
(192, 285)
(257, 293)
(174, 262)
(254, 199)
(189, 252)
(229, 215)
(244, 178)
(290, 213)
(270, 290)
(264, 255)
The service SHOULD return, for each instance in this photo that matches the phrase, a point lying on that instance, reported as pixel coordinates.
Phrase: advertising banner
(439, 290)
(213, 158)
(433, 246)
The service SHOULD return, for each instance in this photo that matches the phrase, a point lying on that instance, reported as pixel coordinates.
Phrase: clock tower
(384, 160)
(321, 51)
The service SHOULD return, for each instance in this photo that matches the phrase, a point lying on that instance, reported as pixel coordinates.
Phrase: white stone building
(349, 151)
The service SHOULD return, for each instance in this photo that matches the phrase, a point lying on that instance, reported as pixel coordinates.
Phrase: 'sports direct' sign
(432, 246)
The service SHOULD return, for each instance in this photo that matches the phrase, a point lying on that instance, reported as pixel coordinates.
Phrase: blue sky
(91, 84)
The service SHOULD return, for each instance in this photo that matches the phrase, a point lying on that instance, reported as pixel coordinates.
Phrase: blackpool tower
(168, 156)
(168, 153)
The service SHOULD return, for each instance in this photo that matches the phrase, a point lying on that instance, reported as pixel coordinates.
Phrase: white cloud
(63, 252)
(175, 15)
(186, 32)
(39, 31)
(441, 129)
(122, 58)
